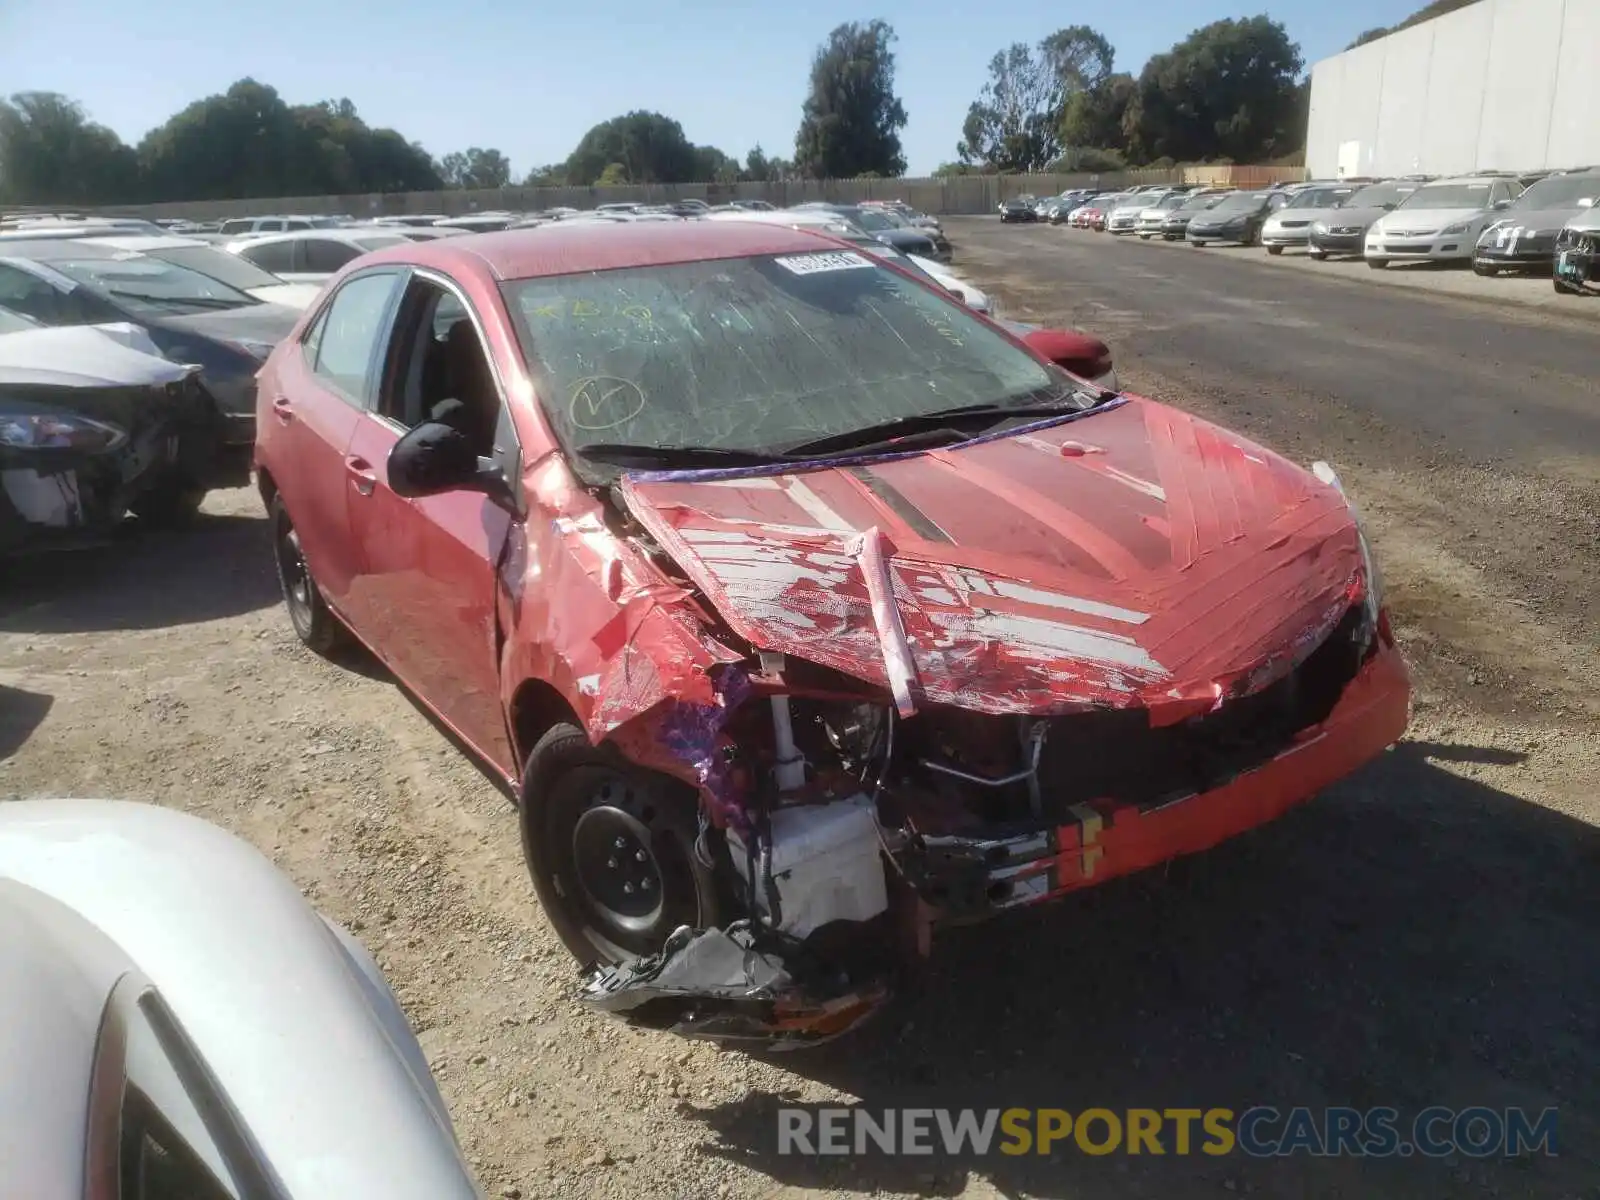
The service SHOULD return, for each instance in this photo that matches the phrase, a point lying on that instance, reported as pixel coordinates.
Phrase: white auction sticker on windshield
(827, 260)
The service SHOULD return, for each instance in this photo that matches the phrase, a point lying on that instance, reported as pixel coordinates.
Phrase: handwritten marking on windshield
(602, 402)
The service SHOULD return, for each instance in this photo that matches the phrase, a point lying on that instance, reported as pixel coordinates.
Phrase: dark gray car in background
(1523, 237)
(1343, 229)
(191, 318)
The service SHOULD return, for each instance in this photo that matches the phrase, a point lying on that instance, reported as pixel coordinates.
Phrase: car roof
(569, 247)
(339, 234)
(145, 243)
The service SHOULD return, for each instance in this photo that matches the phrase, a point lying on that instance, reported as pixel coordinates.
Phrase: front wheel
(611, 849)
(173, 502)
(1485, 270)
(1377, 264)
(1318, 255)
(314, 623)
(1197, 245)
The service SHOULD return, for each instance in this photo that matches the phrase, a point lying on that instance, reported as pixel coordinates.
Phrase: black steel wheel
(611, 849)
(314, 623)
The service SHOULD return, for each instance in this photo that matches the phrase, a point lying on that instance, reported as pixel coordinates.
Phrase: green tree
(247, 142)
(549, 175)
(475, 168)
(851, 120)
(759, 168)
(613, 175)
(713, 166)
(649, 147)
(1092, 118)
(51, 153)
(1015, 124)
(1228, 90)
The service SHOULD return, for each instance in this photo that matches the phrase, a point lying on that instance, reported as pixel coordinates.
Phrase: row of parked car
(1543, 222)
(129, 351)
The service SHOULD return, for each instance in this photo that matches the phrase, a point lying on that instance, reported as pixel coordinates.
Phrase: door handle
(362, 474)
(282, 409)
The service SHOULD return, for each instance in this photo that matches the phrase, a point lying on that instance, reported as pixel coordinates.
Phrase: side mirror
(1501, 205)
(1079, 353)
(435, 458)
(1389, 206)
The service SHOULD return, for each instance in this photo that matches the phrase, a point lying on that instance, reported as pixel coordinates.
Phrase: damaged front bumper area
(74, 460)
(887, 827)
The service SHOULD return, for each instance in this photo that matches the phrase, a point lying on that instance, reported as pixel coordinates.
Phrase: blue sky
(530, 76)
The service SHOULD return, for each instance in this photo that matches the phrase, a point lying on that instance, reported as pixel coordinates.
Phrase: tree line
(1228, 92)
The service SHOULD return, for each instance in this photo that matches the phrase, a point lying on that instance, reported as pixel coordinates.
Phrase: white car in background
(1291, 225)
(1154, 217)
(829, 222)
(177, 1023)
(1124, 218)
(1440, 221)
(211, 261)
(311, 255)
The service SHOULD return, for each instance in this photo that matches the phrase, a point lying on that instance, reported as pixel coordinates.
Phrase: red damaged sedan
(802, 609)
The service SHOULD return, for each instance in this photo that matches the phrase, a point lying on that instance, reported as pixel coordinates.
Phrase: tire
(602, 838)
(1318, 255)
(1274, 250)
(170, 504)
(1197, 245)
(1565, 289)
(1377, 264)
(314, 623)
(1486, 271)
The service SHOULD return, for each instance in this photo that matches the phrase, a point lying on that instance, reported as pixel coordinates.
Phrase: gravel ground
(1423, 933)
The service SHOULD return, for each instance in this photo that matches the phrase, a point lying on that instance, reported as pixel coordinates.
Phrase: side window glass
(324, 256)
(312, 342)
(354, 327)
(297, 224)
(32, 297)
(269, 227)
(277, 257)
(167, 1151)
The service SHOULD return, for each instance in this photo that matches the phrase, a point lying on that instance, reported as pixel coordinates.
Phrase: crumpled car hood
(1135, 556)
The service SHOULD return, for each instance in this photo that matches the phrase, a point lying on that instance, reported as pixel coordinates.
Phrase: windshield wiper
(893, 432)
(208, 302)
(624, 454)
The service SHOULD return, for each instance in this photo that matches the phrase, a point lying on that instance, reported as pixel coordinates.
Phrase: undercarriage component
(738, 984)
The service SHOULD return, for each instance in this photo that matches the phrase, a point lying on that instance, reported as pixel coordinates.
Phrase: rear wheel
(1274, 250)
(1377, 264)
(313, 621)
(1483, 269)
(1566, 289)
(1197, 245)
(1319, 255)
(611, 849)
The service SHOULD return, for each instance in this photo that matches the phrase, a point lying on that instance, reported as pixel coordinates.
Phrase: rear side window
(277, 257)
(356, 324)
(324, 256)
(236, 226)
(269, 226)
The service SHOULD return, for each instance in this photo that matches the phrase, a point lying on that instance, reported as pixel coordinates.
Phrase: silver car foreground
(1291, 224)
(176, 1021)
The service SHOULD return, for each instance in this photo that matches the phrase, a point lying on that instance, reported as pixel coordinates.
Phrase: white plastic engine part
(825, 862)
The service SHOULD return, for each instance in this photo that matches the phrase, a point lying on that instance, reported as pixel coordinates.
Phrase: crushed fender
(743, 983)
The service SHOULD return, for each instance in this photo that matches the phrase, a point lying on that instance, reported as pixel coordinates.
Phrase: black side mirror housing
(435, 457)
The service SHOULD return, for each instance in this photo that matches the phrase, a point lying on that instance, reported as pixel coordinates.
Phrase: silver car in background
(177, 1022)
(1291, 225)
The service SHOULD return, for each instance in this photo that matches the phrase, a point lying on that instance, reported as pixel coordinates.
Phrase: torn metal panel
(738, 984)
(1188, 558)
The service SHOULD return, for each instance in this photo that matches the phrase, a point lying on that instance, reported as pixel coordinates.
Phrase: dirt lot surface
(1424, 933)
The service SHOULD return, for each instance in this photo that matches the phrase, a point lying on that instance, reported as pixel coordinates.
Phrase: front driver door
(310, 414)
(425, 593)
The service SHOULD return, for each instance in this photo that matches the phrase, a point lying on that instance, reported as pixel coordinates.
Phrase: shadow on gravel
(21, 712)
(219, 567)
(1412, 938)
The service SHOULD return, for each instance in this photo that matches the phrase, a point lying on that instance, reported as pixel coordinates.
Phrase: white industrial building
(1499, 85)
